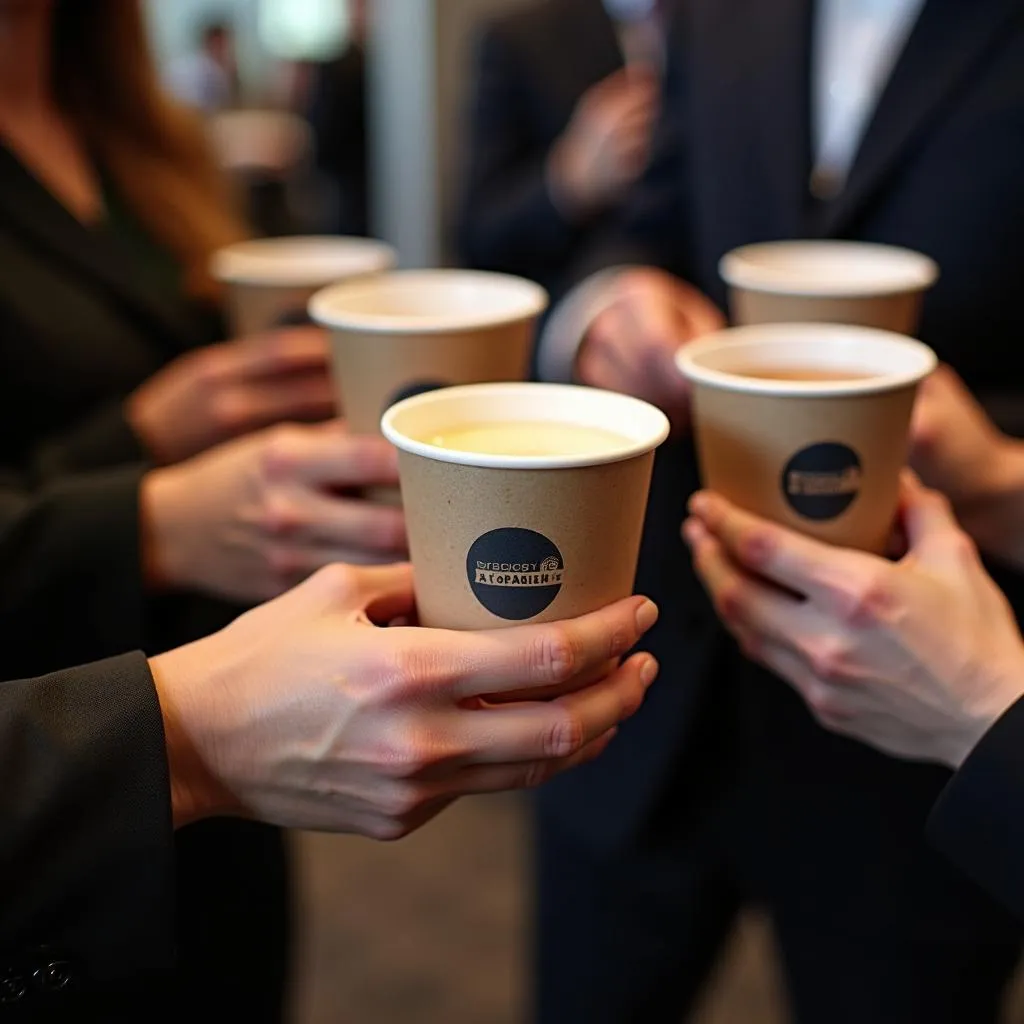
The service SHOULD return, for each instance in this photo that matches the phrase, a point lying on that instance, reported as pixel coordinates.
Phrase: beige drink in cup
(524, 502)
(411, 331)
(807, 424)
(269, 281)
(828, 282)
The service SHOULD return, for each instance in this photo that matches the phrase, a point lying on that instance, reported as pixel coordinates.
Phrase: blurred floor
(432, 930)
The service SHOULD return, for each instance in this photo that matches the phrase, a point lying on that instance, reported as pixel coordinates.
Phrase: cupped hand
(223, 391)
(250, 518)
(306, 713)
(917, 658)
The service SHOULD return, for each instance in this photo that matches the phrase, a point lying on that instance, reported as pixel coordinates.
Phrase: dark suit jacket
(979, 820)
(86, 315)
(532, 68)
(939, 170)
(86, 852)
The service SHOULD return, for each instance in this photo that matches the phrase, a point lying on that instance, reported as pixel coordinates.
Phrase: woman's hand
(226, 390)
(252, 517)
(918, 657)
(959, 451)
(306, 714)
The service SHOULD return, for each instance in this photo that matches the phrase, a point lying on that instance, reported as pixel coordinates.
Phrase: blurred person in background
(336, 110)
(123, 516)
(920, 657)
(563, 110)
(892, 122)
(207, 78)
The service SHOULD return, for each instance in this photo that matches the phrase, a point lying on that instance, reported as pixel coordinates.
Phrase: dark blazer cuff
(978, 821)
(75, 559)
(104, 439)
(92, 839)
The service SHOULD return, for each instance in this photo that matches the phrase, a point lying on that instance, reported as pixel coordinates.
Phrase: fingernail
(649, 672)
(646, 616)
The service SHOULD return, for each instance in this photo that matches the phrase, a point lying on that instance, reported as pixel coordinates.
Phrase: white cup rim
(828, 269)
(852, 348)
(300, 260)
(643, 426)
(338, 306)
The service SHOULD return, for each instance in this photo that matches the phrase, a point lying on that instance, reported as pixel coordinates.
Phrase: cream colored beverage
(529, 438)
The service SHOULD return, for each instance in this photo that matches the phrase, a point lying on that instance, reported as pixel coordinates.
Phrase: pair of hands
(307, 714)
(917, 657)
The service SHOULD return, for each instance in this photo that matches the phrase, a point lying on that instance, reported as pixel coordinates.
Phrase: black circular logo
(822, 481)
(514, 573)
(416, 387)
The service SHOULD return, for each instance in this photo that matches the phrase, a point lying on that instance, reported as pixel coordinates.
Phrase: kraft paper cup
(502, 540)
(411, 331)
(820, 456)
(269, 281)
(828, 282)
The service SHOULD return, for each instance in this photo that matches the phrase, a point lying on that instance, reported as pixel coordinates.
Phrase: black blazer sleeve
(507, 221)
(104, 438)
(71, 585)
(978, 821)
(86, 851)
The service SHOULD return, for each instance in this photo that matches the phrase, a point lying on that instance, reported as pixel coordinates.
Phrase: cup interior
(641, 426)
(301, 260)
(875, 360)
(823, 269)
(428, 300)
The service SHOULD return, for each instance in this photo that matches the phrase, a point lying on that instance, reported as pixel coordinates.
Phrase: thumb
(387, 592)
(928, 518)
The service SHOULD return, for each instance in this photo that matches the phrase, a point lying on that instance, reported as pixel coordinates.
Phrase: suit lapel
(948, 42)
(30, 211)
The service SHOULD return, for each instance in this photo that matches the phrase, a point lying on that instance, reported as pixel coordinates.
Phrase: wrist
(182, 677)
(164, 529)
(1005, 688)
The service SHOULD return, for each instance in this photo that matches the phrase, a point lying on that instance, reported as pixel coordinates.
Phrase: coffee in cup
(828, 282)
(269, 281)
(807, 424)
(410, 331)
(523, 502)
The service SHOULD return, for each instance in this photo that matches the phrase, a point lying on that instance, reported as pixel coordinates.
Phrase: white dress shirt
(855, 47)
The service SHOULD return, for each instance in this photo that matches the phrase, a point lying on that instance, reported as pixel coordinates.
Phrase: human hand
(222, 391)
(631, 345)
(917, 658)
(607, 143)
(253, 516)
(306, 714)
(959, 451)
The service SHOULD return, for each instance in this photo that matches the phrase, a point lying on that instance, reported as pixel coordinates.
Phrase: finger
(742, 601)
(929, 522)
(700, 313)
(496, 778)
(820, 571)
(356, 588)
(540, 656)
(558, 729)
(345, 523)
(327, 455)
(282, 351)
(260, 403)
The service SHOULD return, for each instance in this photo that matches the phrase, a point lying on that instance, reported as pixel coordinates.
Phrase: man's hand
(918, 658)
(606, 145)
(631, 345)
(307, 714)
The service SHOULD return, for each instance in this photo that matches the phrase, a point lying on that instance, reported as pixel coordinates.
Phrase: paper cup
(411, 331)
(828, 282)
(269, 281)
(819, 455)
(498, 540)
